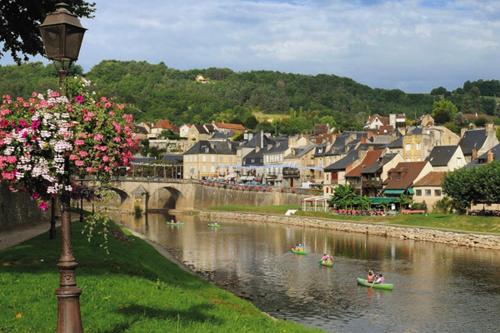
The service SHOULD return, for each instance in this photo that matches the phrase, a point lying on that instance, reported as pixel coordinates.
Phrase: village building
(419, 141)
(229, 128)
(446, 158)
(477, 142)
(401, 178)
(354, 176)
(334, 174)
(374, 175)
(429, 189)
(163, 125)
(207, 159)
(184, 130)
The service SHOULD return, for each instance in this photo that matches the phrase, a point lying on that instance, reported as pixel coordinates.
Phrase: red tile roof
(229, 126)
(432, 179)
(371, 157)
(166, 124)
(404, 174)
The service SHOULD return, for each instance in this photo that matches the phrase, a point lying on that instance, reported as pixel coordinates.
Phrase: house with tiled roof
(184, 130)
(229, 127)
(354, 176)
(374, 174)
(429, 189)
(376, 121)
(477, 142)
(400, 179)
(446, 158)
(163, 125)
(491, 155)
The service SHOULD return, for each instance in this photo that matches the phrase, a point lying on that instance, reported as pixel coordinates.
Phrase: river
(438, 288)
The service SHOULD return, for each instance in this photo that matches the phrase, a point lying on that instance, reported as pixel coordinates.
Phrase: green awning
(410, 191)
(394, 192)
(383, 200)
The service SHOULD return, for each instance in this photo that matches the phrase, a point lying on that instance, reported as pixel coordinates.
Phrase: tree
(480, 121)
(480, 184)
(251, 122)
(20, 20)
(443, 111)
(439, 91)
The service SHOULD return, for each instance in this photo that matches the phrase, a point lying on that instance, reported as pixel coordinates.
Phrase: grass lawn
(134, 289)
(453, 222)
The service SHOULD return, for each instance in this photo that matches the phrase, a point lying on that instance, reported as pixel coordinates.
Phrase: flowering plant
(46, 139)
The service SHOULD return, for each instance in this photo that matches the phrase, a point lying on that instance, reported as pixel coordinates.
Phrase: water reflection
(437, 288)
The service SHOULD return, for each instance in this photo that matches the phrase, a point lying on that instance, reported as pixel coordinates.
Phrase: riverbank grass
(133, 289)
(451, 222)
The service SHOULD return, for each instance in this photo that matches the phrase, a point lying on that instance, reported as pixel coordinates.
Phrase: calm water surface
(437, 288)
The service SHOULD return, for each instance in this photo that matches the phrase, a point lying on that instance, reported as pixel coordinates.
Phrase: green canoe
(298, 252)
(214, 225)
(385, 286)
(326, 263)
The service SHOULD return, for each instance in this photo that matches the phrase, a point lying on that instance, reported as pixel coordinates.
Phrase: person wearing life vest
(371, 277)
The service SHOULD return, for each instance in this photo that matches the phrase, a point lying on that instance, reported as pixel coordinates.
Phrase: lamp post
(62, 35)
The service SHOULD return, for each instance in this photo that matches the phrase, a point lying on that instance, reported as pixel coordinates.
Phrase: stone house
(429, 189)
(210, 159)
(334, 174)
(374, 175)
(419, 141)
(184, 130)
(228, 128)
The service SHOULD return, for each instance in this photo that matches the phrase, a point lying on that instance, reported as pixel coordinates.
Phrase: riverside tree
(468, 186)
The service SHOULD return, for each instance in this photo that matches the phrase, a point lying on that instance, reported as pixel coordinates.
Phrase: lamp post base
(68, 309)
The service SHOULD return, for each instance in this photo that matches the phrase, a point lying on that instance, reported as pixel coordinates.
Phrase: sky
(413, 45)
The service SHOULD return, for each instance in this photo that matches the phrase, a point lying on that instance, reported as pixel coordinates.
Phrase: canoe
(214, 225)
(298, 252)
(171, 223)
(326, 263)
(385, 286)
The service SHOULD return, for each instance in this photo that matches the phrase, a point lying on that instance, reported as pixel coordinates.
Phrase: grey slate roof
(258, 140)
(472, 139)
(280, 146)
(201, 129)
(301, 151)
(344, 162)
(441, 155)
(212, 147)
(254, 158)
(398, 143)
(320, 150)
(173, 158)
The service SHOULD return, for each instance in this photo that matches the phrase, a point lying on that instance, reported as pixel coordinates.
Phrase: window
(408, 147)
(428, 193)
(418, 193)
(418, 146)
(437, 193)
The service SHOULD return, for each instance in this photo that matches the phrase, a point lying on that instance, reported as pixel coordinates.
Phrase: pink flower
(73, 157)
(43, 206)
(79, 163)
(35, 124)
(90, 170)
(23, 123)
(9, 175)
(79, 142)
(79, 99)
(11, 159)
(83, 154)
(35, 195)
(105, 158)
(98, 137)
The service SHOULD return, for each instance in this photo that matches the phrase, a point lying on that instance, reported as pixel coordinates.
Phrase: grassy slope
(134, 289)
(436, 221)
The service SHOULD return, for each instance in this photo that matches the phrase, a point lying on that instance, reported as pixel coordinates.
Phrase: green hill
(157, 91)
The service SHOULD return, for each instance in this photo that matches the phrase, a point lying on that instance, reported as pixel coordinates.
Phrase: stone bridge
(150, 194)
(153, 194)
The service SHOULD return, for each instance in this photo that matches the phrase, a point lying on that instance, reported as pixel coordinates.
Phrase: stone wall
(420, 234)
(206, 197)
(17, 209)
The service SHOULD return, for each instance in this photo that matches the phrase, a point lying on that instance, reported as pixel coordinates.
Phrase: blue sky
(413, 45)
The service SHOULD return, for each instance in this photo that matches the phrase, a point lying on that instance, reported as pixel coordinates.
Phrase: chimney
(490, 156)
(474, 154)
(490, 130)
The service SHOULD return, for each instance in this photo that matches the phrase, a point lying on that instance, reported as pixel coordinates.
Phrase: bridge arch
(166, 197)
(119, 197)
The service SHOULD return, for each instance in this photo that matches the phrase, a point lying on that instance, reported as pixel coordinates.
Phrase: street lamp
(62, 35)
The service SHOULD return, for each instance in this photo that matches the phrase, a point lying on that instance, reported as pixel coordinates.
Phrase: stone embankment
(484, 241)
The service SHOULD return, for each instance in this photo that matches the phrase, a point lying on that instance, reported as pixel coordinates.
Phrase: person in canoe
(326, 258)
(370, 277)
(380, 279)
(299, 248)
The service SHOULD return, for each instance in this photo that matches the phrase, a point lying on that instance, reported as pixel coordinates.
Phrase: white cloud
(396, 44)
